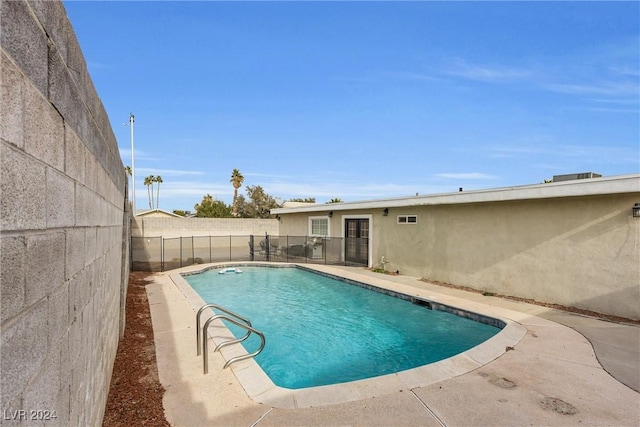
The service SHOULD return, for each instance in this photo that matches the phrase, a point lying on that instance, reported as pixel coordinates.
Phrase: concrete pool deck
(552, 376)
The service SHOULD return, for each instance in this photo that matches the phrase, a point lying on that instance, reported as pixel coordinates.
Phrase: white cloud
(466, 175)
(486, 73)
(411, 75)
(168, 172)
(615, 110)
(516, 151)
(609, 88)
(569, 155)
(626, 71)
(125, 155)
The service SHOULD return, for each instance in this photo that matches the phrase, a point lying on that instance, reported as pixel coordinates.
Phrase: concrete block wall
(186, 227)
(62, 225)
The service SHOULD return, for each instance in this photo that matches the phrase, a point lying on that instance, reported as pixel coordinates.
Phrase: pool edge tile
(498, 344)
(378, 386)
(458, 365)
(324, 395)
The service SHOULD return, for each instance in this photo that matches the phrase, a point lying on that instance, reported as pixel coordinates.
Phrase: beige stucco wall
(574, 251)
(168, 227)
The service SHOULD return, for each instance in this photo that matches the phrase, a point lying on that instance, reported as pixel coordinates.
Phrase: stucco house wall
(571, 243)
(63, 239)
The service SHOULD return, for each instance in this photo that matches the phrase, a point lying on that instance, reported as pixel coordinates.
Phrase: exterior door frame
(370, 245)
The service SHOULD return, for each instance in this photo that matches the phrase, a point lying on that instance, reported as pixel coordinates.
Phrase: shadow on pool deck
(551, 377)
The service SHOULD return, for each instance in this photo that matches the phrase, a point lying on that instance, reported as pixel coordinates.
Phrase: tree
(335, 200)
(211, 208)
(158, 179)
(244, 208)
(180, 212)
(258, 205)
(148, 181)
(236, 180)
(261, 203)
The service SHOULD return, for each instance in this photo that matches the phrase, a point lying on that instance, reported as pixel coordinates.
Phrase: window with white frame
(407, 219)
(319, 226)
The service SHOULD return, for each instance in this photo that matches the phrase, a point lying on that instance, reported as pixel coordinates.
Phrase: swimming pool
(323, 331)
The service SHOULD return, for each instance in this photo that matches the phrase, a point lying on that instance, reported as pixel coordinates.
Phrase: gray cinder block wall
(62, 214)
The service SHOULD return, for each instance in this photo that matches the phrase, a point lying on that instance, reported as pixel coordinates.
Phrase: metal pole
(133, 166)
(266, 238)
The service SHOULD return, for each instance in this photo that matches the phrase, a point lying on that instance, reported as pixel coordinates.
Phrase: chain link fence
(162, 254)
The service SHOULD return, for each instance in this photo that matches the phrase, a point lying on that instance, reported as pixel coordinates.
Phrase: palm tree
(158, 179)
(236, 179)
(148, 181)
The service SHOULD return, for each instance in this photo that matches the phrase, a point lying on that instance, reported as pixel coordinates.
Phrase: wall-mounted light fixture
(385, 212)
(330, 214)
(636, 210)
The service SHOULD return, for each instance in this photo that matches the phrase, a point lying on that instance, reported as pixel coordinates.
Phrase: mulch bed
(135, 395)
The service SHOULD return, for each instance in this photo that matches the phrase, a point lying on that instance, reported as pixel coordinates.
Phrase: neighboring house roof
(287, 205)
(580, 187)
(157, 213)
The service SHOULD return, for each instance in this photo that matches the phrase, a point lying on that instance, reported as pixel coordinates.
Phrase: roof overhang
(580, 187)
(152, 211)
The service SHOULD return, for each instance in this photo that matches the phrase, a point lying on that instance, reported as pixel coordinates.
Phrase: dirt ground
(135, 395)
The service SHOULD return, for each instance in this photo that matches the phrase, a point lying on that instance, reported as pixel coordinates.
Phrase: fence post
(324, 249)
(266, 238)
(287, 247)
(344, 245)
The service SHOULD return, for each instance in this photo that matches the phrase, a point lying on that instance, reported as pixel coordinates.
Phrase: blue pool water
(322, 331)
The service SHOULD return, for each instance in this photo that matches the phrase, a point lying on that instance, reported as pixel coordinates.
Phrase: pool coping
(261, 389)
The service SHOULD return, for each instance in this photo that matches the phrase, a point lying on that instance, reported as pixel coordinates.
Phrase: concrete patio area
(543, 370)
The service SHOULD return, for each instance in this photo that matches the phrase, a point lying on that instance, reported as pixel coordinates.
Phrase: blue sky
(364, 100)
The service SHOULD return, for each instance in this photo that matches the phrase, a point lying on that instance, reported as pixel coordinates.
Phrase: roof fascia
(580, 187)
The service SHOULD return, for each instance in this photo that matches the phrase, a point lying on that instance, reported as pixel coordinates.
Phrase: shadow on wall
(551, 231)
(578, 251)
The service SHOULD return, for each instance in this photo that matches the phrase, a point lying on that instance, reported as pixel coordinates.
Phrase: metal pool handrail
(205, 344)
(229, 312)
